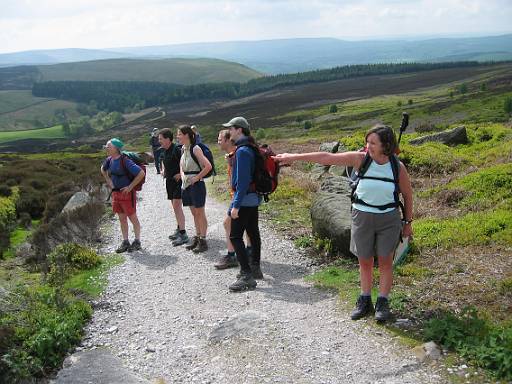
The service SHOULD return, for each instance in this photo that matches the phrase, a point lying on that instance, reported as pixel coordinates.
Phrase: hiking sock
(182, 231)
(366, 294)
(383, 296)
(232, 254)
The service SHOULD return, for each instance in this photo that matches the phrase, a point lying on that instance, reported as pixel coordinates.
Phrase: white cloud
(31, 24)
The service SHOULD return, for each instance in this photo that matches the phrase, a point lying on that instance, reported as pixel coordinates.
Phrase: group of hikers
(377, 224)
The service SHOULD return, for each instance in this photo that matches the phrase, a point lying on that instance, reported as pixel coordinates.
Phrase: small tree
(451, 94)
(483, 87)
(409, 101)
(333, 108)
(463, 88)
(308, 124)
(507, 105)
(399, 103)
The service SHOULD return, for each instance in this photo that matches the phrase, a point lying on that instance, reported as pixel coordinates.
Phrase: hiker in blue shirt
(244, 205)
(122, 175)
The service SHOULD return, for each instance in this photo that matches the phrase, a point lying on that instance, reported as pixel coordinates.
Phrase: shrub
(41, 331)
(409, 101)
(507, 105)
(260, 134)
(25, 220)
(333, 108)
(308, 124)
(485, 345)
(398, 103)
(69, 258)
(5, 191)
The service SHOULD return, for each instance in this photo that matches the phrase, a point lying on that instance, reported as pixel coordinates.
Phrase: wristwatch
(407, 221)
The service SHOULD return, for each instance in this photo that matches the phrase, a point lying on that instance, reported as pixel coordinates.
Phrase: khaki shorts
(374, 234)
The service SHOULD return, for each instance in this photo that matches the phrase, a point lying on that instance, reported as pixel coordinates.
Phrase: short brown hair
(225, 134)
(386, 136)
(166, 133)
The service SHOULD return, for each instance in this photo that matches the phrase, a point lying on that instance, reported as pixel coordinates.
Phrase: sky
(50, 24)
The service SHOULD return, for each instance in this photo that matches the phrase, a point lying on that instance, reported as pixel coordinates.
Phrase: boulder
(78, 200)
(25, 252)
(330, 212)
(318, 170)
(451, 137)
(427, 352)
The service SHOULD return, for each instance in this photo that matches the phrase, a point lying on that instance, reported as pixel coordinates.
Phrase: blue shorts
(194, 195)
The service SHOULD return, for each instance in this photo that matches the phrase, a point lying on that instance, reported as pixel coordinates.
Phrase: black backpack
(357, 175)
(209, 156)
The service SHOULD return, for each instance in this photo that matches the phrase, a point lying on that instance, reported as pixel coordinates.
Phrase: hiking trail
(167, 314)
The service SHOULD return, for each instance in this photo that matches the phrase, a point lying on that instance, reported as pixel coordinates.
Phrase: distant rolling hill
(176, 71)
(294, 55)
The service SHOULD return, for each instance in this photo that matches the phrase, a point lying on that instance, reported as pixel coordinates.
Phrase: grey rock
(78, 200)
(318, 170)
(330, 213)
(427, 352)
(242, 324)
(96, 366)
(25, 251)
(451, 137)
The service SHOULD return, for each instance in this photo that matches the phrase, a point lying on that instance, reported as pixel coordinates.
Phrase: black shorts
(173, 188)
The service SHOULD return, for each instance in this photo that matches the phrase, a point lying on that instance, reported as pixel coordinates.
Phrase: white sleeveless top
(376, 192)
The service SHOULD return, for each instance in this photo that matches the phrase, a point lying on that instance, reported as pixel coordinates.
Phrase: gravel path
(167, 313)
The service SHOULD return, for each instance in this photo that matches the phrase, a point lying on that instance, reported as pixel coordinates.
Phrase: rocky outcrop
(451, 137)
(318, 171)
(330, 212)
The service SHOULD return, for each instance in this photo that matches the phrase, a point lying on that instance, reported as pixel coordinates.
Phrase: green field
(178, 71)
(20, 111)
(54, 132)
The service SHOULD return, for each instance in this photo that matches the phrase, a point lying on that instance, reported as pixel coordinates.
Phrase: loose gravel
(168, 314)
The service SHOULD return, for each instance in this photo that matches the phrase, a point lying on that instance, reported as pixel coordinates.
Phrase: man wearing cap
(122, 175)
(244, 205)
(156, 148)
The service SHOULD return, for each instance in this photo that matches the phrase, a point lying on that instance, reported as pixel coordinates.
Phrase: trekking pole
(403, 125)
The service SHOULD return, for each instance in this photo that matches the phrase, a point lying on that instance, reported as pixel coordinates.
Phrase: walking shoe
(125, 246)
(226, 262)
(182, 238)
(195, 242)
(175, 235)
(255, 270)
(202, 246)
(244, 282)
(364, 307)
(382, 311)
(135, 246)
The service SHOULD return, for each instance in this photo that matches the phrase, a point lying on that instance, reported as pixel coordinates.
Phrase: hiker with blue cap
(122, 176)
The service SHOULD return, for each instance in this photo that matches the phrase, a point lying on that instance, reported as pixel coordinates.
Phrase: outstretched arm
(352, 159)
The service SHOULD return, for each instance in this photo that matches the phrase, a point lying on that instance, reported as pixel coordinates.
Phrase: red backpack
(266, 171)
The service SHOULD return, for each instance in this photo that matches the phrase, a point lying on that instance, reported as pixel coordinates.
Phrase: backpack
(209, 156)
(359, 174)
(266, 170)
(137, 160)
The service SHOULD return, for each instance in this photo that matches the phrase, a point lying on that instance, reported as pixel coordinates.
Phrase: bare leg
(178, 212)
(366, 274)
(136, 225)
(386, 274)
(202, 222)
(123, 221)
(227, 228)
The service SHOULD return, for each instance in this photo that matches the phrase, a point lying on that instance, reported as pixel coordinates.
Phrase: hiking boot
(382, 311)
(202, 246)
(244, 282)
(255, 270)
(364, 307)
(182, 238)
(226, 262)
(125, 246)
(135, 246)
(193, 244)
(175, 235)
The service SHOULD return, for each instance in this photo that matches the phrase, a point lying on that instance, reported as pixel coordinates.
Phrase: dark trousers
(156, 155)
(247, 221)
